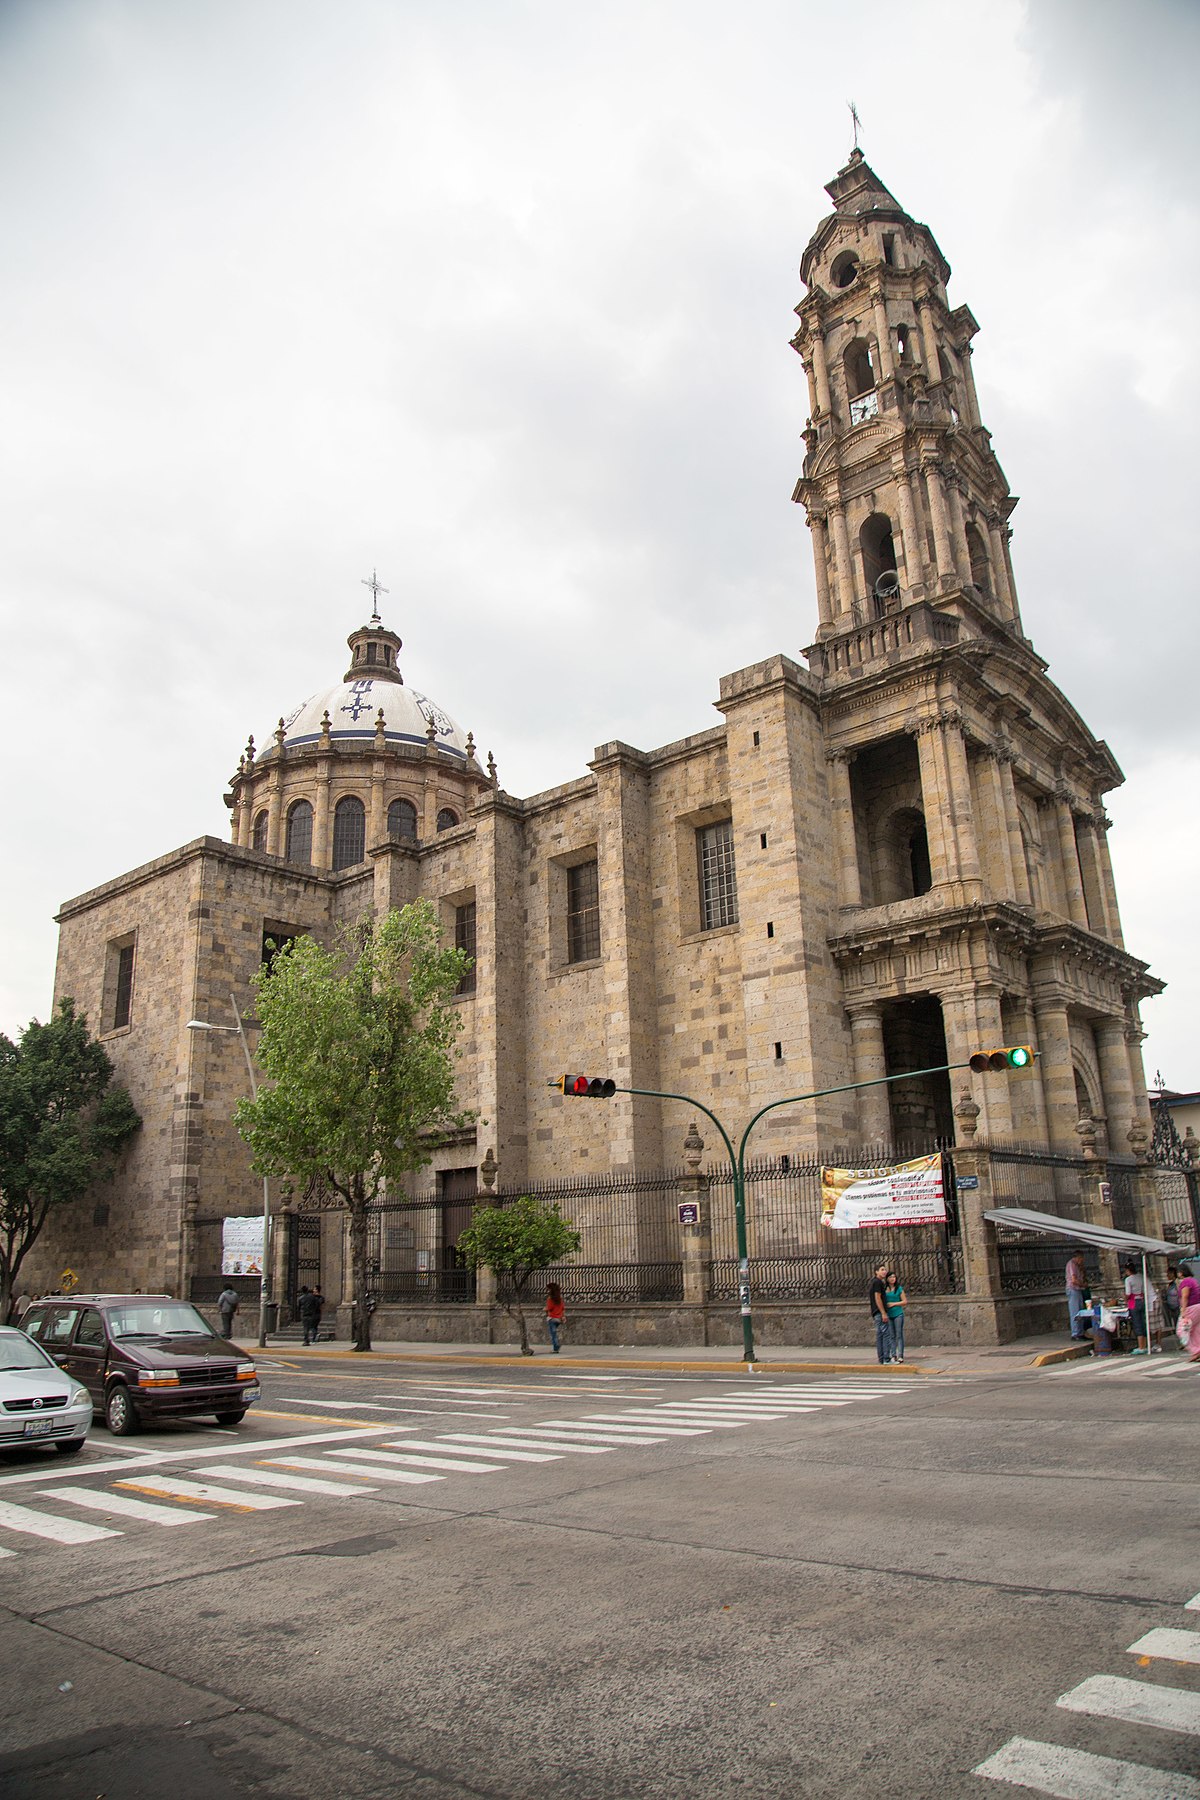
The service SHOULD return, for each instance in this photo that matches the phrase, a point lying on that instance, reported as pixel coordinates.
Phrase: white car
(38, 1403)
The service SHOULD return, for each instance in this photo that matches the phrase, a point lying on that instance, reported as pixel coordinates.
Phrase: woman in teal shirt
(894, 1299)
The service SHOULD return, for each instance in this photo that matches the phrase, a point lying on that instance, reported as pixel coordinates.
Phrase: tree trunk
(359, 1215)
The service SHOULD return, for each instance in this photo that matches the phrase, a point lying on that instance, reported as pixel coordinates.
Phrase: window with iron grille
(116, 1007)
(258, 838)
(583, 912)
(464, 939)
(299, 833)
(402, 820)
(349, 832)
(718, 879)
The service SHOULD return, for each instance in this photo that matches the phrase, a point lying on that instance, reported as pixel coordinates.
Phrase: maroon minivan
(143, 1356)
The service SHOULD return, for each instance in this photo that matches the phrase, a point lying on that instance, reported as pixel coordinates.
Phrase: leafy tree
(62, 1122)
(515, 1240)
(358, 1044)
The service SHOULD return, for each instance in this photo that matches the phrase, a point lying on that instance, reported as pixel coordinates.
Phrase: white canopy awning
(1099, 1235)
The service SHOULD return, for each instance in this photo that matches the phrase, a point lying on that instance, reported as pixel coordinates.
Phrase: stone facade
(881, 860)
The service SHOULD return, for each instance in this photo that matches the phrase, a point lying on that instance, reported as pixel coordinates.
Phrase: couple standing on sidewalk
(887, 1300)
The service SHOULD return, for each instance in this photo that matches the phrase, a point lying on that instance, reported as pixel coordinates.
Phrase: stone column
(821, 371)
(962, 817)
(1012, 820)
(695, 1241)
(844, 572)
(1028, 1101)
(1104, 859)
(999, 824)
(981, 1257)
(883, 337)
(910, 538)
(993, 1090)
(485, 1278)
(1072, 879)
(275, 813)
(928, 338)
(1000, 566)
(820, 541)
(870, 1064)
(958, 532)
(970, 397)
(322, 854)
(1057, 1071)
(1095, 891)
(844, 833)
(934, 804)
(1115, 1081)
(813, 402)
(941, 525)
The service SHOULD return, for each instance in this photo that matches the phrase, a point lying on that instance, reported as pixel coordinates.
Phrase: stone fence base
(945, 1321)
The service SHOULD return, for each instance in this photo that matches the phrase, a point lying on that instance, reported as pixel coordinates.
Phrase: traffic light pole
(737, 1164)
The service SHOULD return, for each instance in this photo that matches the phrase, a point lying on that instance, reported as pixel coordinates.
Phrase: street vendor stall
(1100, 1237)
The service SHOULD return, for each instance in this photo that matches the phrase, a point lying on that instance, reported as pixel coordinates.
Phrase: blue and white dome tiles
(352, 707)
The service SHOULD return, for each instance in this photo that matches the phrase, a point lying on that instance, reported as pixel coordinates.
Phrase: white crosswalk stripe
(1135, 1703)
(493, 1448)
(124, 1505)
(1175, 1646)
(454, 1465)
(44, 1525)
(275, 1478)
(1078, 1775)
(169, 1485)
(665, 1431)
(598, 1434)
(411, 1477)
(534, 1439)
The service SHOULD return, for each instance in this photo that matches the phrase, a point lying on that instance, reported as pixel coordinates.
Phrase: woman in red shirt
(556, 1312)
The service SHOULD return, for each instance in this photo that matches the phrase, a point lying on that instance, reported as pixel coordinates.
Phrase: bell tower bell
(905, 499)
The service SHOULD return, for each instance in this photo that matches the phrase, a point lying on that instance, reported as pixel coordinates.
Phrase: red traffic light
(586, 1087)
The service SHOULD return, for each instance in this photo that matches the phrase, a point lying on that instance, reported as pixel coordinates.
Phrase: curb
(595, 1362)
(1068, 1353)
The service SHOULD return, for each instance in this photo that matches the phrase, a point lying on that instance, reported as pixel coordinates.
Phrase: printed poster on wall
(910, 1193)
(242, 1246)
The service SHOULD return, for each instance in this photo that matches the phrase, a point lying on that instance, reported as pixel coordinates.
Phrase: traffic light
(1012, 1056)
(585, 1087)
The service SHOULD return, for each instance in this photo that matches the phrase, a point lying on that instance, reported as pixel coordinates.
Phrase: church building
(888, 851)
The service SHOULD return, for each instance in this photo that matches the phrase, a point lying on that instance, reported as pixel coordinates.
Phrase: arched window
(879, 563)
(844, 268)
(258, 837)
(349, 832)
(446, 819)
(904, 345)
(299, 832)
(860, 375)
(903, 857)
(981, 569)
(402, 820)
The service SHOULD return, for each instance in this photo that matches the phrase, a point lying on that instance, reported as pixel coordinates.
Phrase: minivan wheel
(231, 1418)
(119, 1413)
(71, 1449)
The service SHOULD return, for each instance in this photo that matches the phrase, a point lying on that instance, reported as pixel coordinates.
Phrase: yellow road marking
(144, 1487)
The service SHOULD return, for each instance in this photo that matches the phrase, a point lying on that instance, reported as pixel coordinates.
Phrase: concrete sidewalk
(850, 1359)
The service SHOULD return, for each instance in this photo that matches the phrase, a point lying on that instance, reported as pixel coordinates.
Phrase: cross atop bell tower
(905, 500)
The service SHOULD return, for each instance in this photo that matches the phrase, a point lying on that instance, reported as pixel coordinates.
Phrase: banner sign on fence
(910, 1193)
(242, 1246)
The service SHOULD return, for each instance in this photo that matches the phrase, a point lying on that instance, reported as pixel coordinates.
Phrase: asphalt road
(541, 1581)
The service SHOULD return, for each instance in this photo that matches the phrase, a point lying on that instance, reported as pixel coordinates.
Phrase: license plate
(38, 1427)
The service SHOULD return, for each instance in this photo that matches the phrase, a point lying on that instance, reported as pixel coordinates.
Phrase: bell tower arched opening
(878, 548)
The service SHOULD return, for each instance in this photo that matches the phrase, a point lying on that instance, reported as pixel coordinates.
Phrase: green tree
(62, 1122)
(515, 1240)
(358, 1047)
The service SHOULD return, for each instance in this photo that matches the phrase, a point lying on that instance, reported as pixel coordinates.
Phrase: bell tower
(975, 893)
(904, 496)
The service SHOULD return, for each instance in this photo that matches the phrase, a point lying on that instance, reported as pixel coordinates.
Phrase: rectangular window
(583, 912)
(116, 1007)
(464, 939)
(718, 880)
(274, 939)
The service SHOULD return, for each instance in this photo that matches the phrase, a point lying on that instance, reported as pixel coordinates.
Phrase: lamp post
(264, 1289)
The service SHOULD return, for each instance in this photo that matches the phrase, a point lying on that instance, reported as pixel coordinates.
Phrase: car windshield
(19, 1352)
(157, 1318)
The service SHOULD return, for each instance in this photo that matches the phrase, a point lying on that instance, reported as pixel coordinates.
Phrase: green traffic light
(1018, 1058)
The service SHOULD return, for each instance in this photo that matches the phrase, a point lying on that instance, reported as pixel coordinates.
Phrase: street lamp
(264, 1288)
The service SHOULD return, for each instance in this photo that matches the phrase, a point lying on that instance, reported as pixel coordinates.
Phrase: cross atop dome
(377, 588)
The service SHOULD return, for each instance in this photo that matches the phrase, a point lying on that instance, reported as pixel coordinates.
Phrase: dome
(372, 683)
(352, 707)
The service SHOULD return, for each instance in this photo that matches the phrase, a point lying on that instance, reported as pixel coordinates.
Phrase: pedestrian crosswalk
(387, 1458)
(1170, 1713)
(1138, 1368)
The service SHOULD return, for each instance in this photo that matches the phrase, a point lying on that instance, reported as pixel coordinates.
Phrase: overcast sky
(496, 297)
